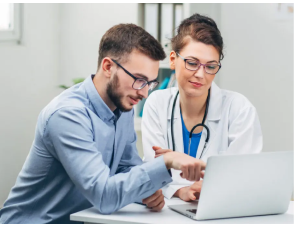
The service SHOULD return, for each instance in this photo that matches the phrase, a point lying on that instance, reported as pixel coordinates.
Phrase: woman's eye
(193, 63)
(211, 67)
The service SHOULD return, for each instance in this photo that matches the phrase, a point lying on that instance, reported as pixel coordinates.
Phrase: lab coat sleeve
(153, 135)
(245, 135)
(152, 131)
(70, 135)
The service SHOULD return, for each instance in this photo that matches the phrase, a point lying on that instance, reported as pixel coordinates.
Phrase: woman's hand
(159, 151)
(190, 193)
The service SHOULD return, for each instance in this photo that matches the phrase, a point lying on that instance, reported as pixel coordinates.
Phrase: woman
(231, 124)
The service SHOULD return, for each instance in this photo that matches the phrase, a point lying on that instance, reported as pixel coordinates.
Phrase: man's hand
(191, 168)
(159, 151)
(190, 193)
(155, 201)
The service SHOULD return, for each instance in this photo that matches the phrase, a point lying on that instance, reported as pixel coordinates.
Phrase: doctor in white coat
(232, 120)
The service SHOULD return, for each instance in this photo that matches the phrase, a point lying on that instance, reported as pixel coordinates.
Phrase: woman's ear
(107, 66)
(172, 60)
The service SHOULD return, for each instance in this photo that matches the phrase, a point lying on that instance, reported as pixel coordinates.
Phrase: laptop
(243, 185)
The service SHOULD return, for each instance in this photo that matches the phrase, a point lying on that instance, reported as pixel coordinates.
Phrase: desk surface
(135, 213)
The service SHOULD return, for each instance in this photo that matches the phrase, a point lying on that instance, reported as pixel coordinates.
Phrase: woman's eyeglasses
(193, 65)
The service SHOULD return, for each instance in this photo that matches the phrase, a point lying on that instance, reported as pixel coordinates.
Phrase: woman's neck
(192, 106)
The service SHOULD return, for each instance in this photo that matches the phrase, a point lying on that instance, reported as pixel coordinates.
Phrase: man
(84, 153)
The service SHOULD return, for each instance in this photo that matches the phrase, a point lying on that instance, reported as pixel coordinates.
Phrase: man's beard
(116, 97)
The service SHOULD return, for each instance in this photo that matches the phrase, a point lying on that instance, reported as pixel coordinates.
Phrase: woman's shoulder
(235, 100)
(165, 92)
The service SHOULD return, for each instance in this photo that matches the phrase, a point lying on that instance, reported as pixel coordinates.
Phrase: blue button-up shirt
(83, 155)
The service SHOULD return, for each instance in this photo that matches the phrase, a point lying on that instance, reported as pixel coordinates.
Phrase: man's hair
(120, 40)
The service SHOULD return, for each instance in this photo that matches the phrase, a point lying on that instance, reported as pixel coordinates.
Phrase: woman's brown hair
(199, 28)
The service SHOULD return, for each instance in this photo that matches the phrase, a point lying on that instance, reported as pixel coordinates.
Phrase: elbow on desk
(106, 212)
(107, 207)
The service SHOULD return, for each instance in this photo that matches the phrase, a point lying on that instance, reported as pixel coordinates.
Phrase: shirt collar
(102, 110)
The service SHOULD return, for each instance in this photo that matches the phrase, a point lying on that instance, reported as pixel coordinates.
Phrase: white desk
(135, 213)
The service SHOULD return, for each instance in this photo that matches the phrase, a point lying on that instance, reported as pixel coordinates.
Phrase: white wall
(259, 64)
(82, 27)
(28, 76)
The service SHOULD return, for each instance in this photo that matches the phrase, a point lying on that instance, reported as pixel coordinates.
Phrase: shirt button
(164, 183)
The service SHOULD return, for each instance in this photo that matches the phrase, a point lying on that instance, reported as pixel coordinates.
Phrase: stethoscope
(198, 125)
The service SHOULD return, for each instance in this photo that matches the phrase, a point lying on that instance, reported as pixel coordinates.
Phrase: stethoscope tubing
(191, 132)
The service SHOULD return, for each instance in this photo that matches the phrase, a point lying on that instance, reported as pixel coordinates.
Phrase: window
(5, 12)
(9, 22)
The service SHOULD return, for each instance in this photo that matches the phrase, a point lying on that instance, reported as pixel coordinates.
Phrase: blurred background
(43, 46)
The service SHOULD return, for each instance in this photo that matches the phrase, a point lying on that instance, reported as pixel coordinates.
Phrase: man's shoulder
(68, 100)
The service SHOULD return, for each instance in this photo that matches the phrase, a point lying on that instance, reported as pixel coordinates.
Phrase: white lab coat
(232, 120)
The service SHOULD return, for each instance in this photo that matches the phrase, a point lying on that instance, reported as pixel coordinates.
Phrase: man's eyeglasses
(139, 83)
(193, 65)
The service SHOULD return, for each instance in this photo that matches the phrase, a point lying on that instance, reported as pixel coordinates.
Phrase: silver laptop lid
(246, 185)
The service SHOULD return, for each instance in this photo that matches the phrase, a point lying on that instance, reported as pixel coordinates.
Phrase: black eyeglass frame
(155, 82)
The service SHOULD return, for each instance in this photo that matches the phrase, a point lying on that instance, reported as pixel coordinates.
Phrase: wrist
(167, 157)
(179, 192)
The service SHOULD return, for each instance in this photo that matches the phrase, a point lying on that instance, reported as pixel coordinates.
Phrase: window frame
(13, 34)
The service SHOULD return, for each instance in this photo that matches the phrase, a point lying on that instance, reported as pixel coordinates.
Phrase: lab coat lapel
(212, 128)
(178, 133)
(212, 121)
